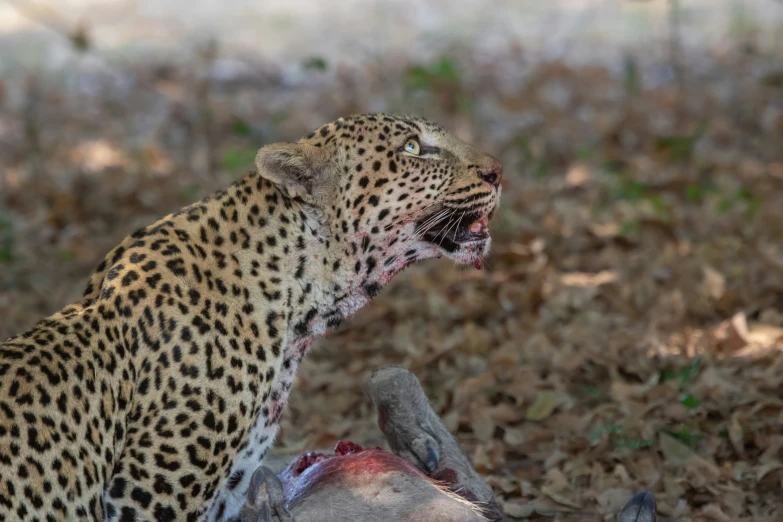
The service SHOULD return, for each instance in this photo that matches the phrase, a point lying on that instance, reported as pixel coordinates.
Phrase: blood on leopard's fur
(156, 396)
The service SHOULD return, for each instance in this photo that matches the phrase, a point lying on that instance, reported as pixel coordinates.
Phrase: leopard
(157, 394)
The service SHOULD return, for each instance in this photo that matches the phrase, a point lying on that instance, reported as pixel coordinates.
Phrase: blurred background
(626, 330)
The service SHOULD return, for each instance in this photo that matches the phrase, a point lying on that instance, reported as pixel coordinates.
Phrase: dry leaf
(517, 509)
(731, 335)
(675, 452)
(714, 283)
(545, 404)
(612, 500)
(514, 436)
(559, 498)
(482, 424)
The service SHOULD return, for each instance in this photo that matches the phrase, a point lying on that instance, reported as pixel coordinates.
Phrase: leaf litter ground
(625, 332)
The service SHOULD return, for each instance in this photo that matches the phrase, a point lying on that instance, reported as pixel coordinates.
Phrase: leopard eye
(412, 146)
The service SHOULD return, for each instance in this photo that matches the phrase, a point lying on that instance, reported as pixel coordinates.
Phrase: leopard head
(393, 190)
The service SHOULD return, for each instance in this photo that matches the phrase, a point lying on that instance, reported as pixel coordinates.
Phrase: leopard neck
(296, 275)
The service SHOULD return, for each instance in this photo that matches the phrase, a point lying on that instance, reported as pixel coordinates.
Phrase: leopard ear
(299, 169)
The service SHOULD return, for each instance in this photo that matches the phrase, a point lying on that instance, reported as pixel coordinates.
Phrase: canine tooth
(476, 226)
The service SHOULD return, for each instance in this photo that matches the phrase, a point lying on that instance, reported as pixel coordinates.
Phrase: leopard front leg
(230, 498)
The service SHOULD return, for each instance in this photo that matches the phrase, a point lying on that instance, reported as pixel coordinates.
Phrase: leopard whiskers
(454, 224)
(447, 218)
(431, 222)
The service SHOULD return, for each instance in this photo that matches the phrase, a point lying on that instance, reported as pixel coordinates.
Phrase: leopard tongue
(477, 264)
(478, 226)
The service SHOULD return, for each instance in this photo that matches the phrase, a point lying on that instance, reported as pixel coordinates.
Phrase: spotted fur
(156, 396)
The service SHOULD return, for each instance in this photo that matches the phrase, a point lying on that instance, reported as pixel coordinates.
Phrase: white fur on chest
(228, 502)
(260, 438)
(263, 433)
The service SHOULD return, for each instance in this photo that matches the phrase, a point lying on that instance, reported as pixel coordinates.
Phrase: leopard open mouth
(457, 231)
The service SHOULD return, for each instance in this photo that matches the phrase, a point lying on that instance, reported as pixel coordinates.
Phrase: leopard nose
(493, 174)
